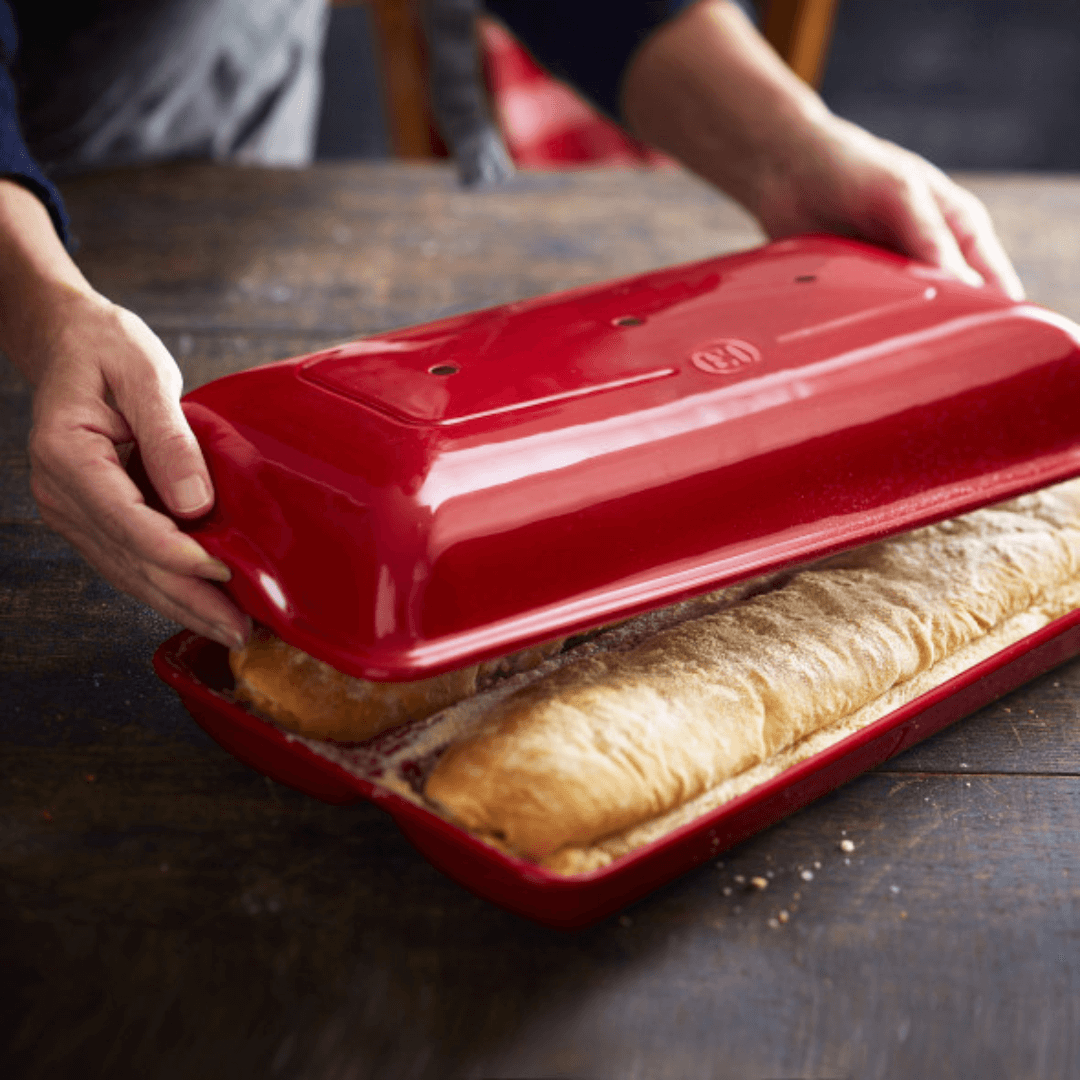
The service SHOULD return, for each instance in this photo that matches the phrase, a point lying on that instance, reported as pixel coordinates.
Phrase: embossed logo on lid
(726, 356)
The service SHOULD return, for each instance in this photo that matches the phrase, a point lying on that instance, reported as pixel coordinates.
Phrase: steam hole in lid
(806, 277)
(627, 320)
(443, 369)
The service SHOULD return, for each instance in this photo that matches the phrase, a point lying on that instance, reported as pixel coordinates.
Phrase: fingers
(914, 221)
(970, 223)
(86, 496)
(79, 478)
(109, 380)
(845, 180)
(941, 223)
(185, 599)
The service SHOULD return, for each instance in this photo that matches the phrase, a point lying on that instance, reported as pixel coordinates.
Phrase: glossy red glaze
(197, 669)
(419, 500)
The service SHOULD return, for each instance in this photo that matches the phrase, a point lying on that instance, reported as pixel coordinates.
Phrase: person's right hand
(107, 381)
(102, 379)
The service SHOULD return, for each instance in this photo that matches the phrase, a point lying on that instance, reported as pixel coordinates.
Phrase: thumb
(170, 453)
(173, 461)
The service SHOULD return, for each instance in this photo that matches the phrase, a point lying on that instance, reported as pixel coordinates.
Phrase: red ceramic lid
(416, 501)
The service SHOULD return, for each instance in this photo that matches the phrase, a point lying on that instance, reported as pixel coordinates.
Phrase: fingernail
(216, 570)
(190, 494)
(205, 565)
(227, 636)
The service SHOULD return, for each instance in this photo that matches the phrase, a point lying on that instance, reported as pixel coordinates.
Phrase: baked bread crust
(615, 740)
(311, 698)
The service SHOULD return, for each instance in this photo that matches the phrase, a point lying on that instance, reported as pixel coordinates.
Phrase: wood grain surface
(166, 912)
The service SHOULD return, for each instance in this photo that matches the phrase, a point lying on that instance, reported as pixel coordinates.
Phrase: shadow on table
(231, 950)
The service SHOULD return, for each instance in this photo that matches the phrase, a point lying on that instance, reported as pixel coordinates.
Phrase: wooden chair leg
(404, 75)
(800, 31)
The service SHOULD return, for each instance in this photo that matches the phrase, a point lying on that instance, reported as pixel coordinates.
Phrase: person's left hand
(839, 178)
(709, 90)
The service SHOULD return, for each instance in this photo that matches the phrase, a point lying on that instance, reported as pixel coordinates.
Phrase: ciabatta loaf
(311, 698)
(616, 740)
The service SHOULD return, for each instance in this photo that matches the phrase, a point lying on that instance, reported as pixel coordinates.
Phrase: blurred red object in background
(544, 124)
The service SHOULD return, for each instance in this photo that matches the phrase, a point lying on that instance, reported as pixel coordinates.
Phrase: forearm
(102, 378)
(708, 89)
(38, 278)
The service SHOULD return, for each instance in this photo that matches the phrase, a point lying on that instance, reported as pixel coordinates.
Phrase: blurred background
(970, 84)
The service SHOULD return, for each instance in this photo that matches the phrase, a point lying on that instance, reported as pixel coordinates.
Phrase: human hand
(709, 90)
(103, 380)
(839, 178)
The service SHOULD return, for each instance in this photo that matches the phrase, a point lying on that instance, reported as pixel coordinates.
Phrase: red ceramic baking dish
(420, 500)
(198, 670)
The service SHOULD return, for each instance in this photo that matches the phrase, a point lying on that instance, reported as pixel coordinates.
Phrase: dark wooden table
(168, 913)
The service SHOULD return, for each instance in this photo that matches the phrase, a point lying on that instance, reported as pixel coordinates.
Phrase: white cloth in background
(150, 80)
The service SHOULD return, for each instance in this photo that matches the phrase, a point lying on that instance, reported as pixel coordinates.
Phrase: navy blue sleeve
(588, 43)
(15, 160)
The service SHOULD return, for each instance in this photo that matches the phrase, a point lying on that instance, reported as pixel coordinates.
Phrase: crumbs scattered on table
(759, 882)
(847, 845)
